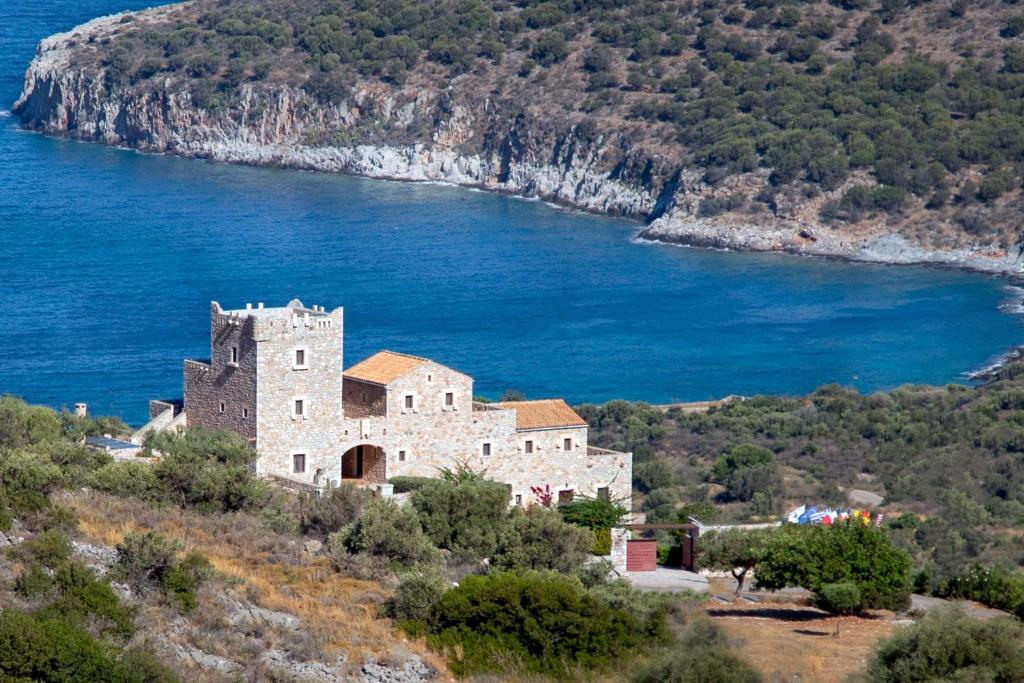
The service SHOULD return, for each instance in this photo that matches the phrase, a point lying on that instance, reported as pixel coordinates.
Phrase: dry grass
(272, 569)
(795, 643)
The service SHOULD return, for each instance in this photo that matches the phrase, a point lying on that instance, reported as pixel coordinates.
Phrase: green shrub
(207, 470)
(389, 531)
(948, 645)
(416, 594)
(33, 581)
(813, 556)
(703, 655)
(126, 479)
(992, 586)
(540, 623)
(23, 425)
(602, 542)
(593, 513)
(143, 560)
(338, 507)
(467, 518)
(184, 578)
(44, 648)
(49, 548)
(538, 538)
(409, 484)
(87, 601)
(839, 598)
(28, 478)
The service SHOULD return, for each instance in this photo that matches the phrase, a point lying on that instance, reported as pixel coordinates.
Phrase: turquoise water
(109, 258)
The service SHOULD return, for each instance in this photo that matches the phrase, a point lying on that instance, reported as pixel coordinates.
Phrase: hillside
(890, 131)
(947, 460)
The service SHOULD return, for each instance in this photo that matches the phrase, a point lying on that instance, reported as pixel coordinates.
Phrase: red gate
(641, 555)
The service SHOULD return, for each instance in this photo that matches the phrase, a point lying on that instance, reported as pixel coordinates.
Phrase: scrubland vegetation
(481, 588)
(917, 101)
(946, 459)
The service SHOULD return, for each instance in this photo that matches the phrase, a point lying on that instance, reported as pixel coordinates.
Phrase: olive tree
(736, 551)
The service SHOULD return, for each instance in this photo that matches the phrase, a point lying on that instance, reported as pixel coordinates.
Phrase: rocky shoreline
(284, 127)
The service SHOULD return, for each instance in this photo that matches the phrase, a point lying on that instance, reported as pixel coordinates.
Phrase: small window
(430, 378)
(485, 449)
(565, 496)
(234, 355)
(401, 456)
(300, 358)
(528, 447)
(299, 463)
(449, 399)
(408, 401)
(519, 499)
(567, 445)
(245, 413)
(603, 493)
(223, 407)
(300, 408)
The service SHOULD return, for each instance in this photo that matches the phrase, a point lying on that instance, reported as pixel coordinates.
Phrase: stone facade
(275, 375)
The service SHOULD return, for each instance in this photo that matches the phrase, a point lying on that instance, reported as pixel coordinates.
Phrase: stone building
(276, 376)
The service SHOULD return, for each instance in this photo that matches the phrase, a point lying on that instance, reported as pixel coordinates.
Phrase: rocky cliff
(453, 133)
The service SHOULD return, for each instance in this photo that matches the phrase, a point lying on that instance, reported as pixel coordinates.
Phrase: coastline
(282, 127)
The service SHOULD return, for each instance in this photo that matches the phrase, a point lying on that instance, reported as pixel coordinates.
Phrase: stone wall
(443, 439)
(428, 384)
(222, 383)
(159, 406)
(278, 334)
(363, 399)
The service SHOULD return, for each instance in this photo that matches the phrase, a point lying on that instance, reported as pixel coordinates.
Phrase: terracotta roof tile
(384, 367)
(545, 414)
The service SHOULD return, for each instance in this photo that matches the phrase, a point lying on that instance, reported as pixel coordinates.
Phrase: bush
(467, 518)
(593, 513)
(409, 484)
(538, 622)
(948, 645)
(48, 649)
(148, 561)
(207, 470)
(539, 539)
(183, 579)
(416, 594)
(813, 556)
(992, 586)
(602, 542)
(28, 478)
(648, 476)
(839, 598)
(703, 655)
(125, 479)
(389, 531)
(143, 560)
(338, 507)
(86, 601)
(748, 470)
(24, 425)
(50, 549)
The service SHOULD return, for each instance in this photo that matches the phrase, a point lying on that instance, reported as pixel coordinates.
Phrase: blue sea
(109, 259)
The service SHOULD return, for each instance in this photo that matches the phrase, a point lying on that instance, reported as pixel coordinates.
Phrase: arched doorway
(364, 462)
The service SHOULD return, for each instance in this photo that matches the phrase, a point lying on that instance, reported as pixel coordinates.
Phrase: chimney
(81, 409)
(248, 307)
(260, 305)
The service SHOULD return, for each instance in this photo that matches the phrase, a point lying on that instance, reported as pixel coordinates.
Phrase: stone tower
(274, 376)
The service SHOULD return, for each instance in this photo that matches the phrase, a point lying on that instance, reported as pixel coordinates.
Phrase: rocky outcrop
(450, 134)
